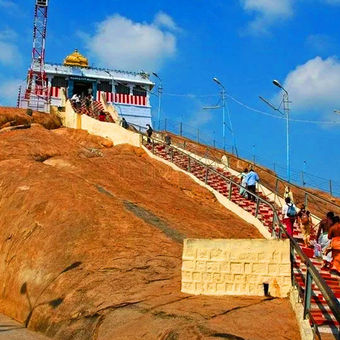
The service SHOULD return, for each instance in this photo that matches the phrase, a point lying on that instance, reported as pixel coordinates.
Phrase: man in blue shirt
(251, 180)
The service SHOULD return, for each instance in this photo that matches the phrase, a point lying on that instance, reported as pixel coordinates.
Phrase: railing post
(292, 259)
(206, 175)
(257, 207)
(230, 190)
(280, 231)
(330, 187)
(172, 155)
(181, 129)
(303, 178)
(153, 146)
(306, 200)
(227, 158)
(276, 185)
(273, 225)
(189, 165)
(214, 143)
(308, 294)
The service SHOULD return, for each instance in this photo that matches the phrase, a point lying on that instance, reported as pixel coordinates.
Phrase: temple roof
(98, 73)
(76, 59)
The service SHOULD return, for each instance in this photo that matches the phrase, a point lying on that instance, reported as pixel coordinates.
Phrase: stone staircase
(320, 314)
(93, 111)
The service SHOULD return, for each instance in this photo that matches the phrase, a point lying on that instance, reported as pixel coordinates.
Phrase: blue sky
(245, 43)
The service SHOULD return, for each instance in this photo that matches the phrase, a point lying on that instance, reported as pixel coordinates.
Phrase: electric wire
(246, 106)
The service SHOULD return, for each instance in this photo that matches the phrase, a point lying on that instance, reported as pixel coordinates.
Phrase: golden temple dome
(76, 59)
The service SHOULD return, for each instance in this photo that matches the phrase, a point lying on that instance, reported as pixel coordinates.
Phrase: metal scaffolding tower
(37, 87)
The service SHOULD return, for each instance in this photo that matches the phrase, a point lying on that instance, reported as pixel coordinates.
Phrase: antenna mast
(37, 86)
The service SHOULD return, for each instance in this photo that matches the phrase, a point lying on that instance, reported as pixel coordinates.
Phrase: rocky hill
(91, 242)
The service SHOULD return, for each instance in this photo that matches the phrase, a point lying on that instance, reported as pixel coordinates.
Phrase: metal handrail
(277, 178)
(311, 274)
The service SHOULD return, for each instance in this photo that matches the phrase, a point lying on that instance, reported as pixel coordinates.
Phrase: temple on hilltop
(127, 91)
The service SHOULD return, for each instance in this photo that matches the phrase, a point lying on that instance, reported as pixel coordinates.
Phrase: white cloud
(164, 20)
(321, 43)
(10, 54)
(333, 2)
(315, 85)
(8, 34)
(266, 13)
(9, 91)
(121, 43)
(7, 4)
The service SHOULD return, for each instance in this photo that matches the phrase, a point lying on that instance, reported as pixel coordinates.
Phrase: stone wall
(236, 267)
(113, 131)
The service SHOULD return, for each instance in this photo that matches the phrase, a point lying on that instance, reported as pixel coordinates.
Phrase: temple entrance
(82, 88)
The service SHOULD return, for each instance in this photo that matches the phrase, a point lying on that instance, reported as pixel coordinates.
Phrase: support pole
(224, 122)
(273, 226)
(257, 207)
(160, 91)
(308, 294)
(302, 179)
(330, 187)
(230, 190)
(286, 110)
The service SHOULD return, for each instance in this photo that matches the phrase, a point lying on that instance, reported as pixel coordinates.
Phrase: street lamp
(286, 102)
(223, 97)
(160, 91)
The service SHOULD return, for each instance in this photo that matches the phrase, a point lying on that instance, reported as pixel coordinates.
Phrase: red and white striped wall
(123, 98)
(53, 91)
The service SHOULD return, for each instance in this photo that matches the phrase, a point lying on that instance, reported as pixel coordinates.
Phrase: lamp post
(160, 91)
(223, 97)
(286, 110)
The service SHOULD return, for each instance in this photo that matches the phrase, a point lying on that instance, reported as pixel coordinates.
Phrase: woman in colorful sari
(334, 236)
